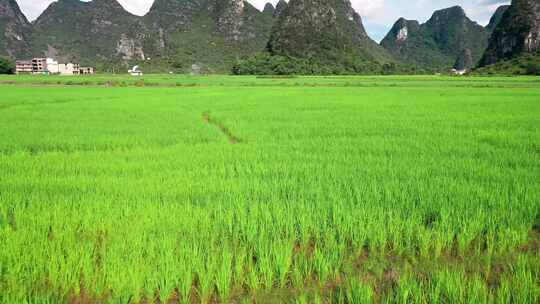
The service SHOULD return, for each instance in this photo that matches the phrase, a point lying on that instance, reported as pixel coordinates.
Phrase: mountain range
(440, 42)
(175, 34)
(15, 30)
(215, 34)
(518, 32)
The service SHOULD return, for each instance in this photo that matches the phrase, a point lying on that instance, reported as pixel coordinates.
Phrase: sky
(378, 15)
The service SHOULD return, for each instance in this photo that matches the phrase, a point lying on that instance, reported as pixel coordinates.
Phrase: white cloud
(369, 7)
(32, 8)
(261, 3)
(137, 7)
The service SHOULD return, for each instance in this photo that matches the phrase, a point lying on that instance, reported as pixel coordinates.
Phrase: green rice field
(221, 189)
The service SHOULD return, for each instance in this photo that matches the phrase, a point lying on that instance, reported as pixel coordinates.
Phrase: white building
(53, 67)
(86, 71)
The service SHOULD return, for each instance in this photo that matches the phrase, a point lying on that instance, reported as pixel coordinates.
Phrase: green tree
(7, 66)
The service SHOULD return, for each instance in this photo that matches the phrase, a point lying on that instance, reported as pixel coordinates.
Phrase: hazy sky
(379, 15)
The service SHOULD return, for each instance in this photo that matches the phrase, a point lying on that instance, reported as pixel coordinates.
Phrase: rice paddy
(252, 190)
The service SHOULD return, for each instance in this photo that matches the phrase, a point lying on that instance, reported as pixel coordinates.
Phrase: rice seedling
(335, 190)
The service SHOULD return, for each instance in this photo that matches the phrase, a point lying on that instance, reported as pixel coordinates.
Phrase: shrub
(266, 64)
(532, 68)
(7, 66)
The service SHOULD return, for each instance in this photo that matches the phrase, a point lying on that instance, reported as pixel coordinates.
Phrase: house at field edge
(48, 66)
(23, 67)
(39, 66)
(86, 71)
(62, 68)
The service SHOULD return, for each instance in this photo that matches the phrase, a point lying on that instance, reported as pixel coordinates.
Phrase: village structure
(49, 66)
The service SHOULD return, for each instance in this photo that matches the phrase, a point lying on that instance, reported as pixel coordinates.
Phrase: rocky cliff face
(280, 7)
(465, 61)
(99, 30)
(229, 17)
(323, 29)
(174, 35)
(14, 30)
(226, 17)
(452, 30)
(439, 42)
(496, 18)
(209, 33)
(401, 33)
(517, 33)
(269, 9)
(172, 15)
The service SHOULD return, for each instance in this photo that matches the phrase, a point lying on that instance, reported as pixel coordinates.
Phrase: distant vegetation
(266, 64)
(7, 66)
(526, 64)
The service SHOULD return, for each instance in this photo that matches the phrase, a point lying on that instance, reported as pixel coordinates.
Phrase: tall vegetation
(525, 64)
(341, 190)
(7, 66)
(266, 64)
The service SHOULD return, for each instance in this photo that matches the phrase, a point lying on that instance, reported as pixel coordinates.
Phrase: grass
(272, 81)
(391, 190)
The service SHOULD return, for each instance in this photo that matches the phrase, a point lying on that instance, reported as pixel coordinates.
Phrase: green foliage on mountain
(269, 9)
(174, 14)
(517, 33)
(436, 44)
(317, 37)
(408, 42)
(209, 33)
(514, 46)
(173, 36)
(280, 7)
(335, 32)
(524, 64)
(299, 37)
(100, 31)
(496, 18)
(14, 30)
(267, 64)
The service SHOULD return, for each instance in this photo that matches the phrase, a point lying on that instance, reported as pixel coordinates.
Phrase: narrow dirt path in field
(231, 137)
